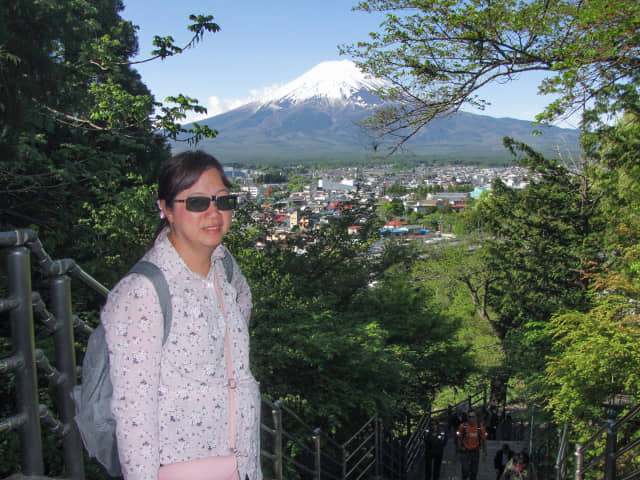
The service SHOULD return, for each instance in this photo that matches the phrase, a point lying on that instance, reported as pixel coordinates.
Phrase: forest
(541, 303)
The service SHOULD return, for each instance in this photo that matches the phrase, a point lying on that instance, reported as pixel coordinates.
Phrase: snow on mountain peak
(336, 80)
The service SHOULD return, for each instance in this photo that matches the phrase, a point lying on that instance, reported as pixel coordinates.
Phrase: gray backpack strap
(153, 273)
(227, 261)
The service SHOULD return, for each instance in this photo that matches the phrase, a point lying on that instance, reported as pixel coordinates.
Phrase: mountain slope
(317, 116)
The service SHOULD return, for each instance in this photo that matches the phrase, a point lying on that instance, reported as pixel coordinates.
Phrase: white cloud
(216, 105)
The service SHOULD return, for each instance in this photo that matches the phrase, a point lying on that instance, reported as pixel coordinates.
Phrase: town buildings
(329, 193)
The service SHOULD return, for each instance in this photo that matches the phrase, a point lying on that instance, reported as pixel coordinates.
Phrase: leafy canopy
(338, 333)
(440, 53)
(78, 127)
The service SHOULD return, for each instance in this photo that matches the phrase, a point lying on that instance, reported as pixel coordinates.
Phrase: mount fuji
(316, 118)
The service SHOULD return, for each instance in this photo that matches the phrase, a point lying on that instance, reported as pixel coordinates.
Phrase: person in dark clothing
(501, 459)
(435, 438)
(493, 418)
(457, 417)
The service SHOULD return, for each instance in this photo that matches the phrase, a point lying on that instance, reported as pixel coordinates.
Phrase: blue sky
(263, 43)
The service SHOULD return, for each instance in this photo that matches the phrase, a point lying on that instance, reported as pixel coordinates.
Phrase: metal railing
(291, 448)
(612, 453)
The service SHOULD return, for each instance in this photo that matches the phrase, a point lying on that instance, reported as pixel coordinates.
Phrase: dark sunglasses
(201, 204)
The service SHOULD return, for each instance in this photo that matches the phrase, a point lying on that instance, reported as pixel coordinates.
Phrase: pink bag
(224, 467)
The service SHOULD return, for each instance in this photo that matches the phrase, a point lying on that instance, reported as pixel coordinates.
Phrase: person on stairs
(501, 459)
(187, 408)
(435, 438)
(519, 468)
(471, 438)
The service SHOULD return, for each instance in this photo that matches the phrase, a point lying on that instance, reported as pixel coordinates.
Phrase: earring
(161, 214)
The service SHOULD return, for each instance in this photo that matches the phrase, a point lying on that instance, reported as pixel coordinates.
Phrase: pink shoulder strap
(231, 379)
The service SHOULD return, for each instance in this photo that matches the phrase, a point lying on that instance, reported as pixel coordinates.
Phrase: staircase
(451, 466)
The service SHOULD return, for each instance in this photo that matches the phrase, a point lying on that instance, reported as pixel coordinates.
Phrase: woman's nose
(213, 209)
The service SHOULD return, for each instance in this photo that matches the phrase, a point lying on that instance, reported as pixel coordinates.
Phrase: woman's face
(196, 234)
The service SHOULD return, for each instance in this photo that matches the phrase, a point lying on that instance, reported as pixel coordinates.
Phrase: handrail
(607, 458)
(629, 416)
(17, 238)
(29, 238)
(367, 423)
(563, 456)
(362, 445)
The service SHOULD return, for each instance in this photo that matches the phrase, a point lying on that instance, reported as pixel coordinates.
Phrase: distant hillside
(316, 118)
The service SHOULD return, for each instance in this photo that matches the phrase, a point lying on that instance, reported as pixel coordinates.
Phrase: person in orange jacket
(471, 438)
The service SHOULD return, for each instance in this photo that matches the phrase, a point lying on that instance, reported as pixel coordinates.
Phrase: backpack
(92, 398)
(464, 434)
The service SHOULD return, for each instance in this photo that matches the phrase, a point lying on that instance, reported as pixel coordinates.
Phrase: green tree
(331, 344)
(396, 189)
(392, 209)
(595, 356)
(543, 243)
(601, 343)
(76, 122)
(297, 183)
(439, 54)
(460, 281)
(79, 148)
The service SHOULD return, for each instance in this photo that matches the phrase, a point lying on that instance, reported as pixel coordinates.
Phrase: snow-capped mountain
(337, 81)
(317, 117)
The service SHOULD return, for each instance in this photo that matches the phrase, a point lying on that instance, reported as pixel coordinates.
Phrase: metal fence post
(318, 454)
(579, 459)
(531, 427)
(561, 464)
(276, 412)
(343, 451)
(66, 364)
(19, 269)
(378, 446)
(610, 453)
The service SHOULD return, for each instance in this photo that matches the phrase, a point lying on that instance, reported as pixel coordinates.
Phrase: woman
(172, 402)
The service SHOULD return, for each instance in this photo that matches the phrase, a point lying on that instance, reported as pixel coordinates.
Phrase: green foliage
(74, 115)
(122, 217)
(542, 245)
(333, 346)
(296, 183)
(272, 177)
(396, 190)
(595, 356)
(460, 281)
(589, 50)
(392, 209)
(599, 346)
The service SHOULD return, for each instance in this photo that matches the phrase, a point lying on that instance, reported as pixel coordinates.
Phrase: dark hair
(181, 172)
(523, 458)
